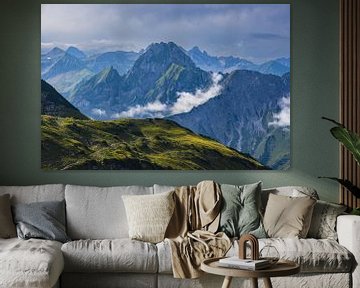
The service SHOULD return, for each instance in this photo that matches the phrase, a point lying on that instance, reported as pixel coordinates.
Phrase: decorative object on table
(269, 253)
(241, 261)
(139, 90)
(351, 141)
(254, 246)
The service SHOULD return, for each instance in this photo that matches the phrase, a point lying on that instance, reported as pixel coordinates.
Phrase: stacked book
(248, 264)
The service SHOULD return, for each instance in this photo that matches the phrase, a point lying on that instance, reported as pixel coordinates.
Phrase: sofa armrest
(348, 230)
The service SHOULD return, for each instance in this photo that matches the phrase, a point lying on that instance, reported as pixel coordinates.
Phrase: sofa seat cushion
(30, 263)
(313, 255)
(115, 255)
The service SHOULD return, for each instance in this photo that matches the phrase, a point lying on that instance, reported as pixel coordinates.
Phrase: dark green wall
(314, 55)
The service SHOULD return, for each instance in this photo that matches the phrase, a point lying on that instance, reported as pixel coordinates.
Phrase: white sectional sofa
(101, 254)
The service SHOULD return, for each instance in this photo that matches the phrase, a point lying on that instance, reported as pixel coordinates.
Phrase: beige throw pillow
(149, 215)
(7, 226)
(288, 217)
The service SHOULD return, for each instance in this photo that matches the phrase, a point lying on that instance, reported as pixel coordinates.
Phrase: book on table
(236, 262)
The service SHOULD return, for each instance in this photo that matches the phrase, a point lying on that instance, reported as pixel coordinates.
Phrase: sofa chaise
(100, 253)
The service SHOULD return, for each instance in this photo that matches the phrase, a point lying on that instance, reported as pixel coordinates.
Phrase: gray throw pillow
(323, 222)
(7, 226)
(43, 220)
(240, 213)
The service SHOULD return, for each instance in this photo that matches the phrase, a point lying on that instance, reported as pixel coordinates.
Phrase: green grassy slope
(69, 143)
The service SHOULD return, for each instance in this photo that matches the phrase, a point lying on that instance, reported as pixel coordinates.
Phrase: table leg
(254, 282)
(227, 282)
(267, 283)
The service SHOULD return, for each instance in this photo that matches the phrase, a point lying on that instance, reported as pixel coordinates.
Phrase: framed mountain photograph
(165, 86)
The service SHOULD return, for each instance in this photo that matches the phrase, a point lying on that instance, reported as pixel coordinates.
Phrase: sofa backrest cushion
(291, 191)
(36, 193)
(98, 212)
(163, 188)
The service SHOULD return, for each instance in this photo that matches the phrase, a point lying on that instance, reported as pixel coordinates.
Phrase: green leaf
(349, 139)
(347, 184)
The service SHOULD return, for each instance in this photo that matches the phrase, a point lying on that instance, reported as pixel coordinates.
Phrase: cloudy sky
(257, 32)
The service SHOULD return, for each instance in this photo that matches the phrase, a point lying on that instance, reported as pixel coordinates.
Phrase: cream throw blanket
(191, 231)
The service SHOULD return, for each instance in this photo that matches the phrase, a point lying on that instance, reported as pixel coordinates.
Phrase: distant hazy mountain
(65, 64)
(239, 117)
(119, 60)
(50, 58)
(228, 64)
(133, 144)
(66, 82)
(274, 67)
(218, 64)
(73, 51)
(65, 69)
(52, 103)
(97, 95)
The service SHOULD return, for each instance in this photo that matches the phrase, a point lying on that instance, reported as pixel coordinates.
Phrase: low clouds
(282, 119)
(185, 103)
(98, 112)
(152, 110)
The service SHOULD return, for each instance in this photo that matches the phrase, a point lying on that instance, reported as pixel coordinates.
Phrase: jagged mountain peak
(108, 74)
(165, 54)
(55, 52)
(151, 65)
(73, 51)
(65, 64)
(196, 49)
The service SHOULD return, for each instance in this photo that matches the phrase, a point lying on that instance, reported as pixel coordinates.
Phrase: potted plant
(351, 141)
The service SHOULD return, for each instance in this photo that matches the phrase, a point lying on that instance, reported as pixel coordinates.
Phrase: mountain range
(224, 64)
(64, 69)
(233, 107)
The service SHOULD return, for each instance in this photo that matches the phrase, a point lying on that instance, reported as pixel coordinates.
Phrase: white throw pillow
(149, 215)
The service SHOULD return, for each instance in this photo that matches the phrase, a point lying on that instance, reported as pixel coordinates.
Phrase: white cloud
(154, 109)
(98, 112)
(185, 103)
(282, 119)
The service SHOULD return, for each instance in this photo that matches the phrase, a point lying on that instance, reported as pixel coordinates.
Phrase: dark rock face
(52, 103)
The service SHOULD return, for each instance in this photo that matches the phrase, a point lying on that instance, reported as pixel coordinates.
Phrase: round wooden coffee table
(281, 268)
